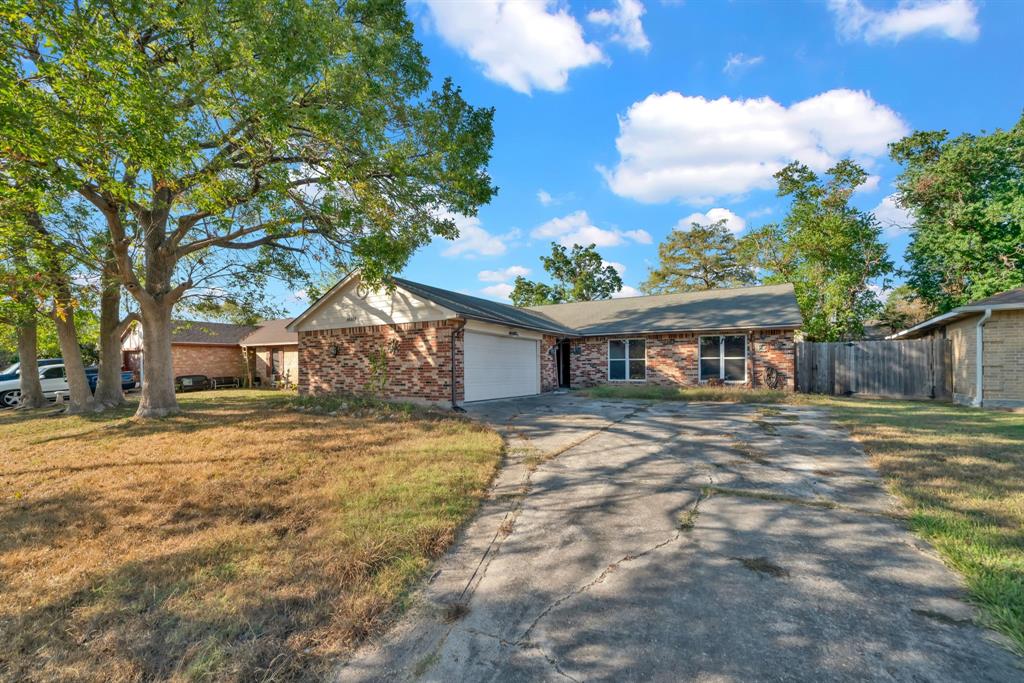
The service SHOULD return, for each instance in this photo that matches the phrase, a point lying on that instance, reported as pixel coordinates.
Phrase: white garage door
(500, 367)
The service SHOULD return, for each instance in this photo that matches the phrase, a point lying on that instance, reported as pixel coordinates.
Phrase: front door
(564, 376)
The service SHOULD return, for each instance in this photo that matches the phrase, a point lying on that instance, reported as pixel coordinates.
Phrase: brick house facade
(424, 343)
(212, 361)
(672, 359)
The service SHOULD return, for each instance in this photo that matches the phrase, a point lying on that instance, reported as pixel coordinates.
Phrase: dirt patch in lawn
(243, 540)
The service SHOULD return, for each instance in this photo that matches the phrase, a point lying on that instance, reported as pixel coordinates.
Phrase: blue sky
(617, 119)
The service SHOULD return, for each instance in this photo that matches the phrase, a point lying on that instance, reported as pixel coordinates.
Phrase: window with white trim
(627, 359)
(723, 357)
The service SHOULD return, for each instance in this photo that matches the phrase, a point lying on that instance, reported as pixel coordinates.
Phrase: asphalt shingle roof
(484, 309)
(1010, 296)
(271, 332)
(772, 306)
(202, 332)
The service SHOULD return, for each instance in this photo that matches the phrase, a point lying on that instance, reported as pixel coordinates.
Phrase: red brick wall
(420, 368)
(672, 358)
(212, 361)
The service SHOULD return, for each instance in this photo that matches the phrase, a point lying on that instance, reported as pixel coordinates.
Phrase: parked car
(52, 380)
(13, 371)
(191, 383)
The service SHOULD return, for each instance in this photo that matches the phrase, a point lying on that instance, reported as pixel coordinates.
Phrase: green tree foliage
(967, 197)
(903, 309)
(698, 258)
(240, 136)
(579, 275)
(829, 250)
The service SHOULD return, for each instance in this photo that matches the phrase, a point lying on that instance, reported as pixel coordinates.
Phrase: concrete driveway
(672, 541)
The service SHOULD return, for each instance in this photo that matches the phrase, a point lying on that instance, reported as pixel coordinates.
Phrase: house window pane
(709, 347)
(617, 369)
(735, 347)
(735, 369)
(710, 368)
(616, 349)
(637, 369)
(637, 349)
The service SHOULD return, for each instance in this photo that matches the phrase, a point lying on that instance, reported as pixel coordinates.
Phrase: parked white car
(52, 379)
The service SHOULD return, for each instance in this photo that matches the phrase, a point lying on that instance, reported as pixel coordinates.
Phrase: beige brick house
(987, 344)
(429, 344)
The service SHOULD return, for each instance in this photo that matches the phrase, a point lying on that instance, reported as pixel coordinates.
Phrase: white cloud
(499, 291)
(625, 18)
(627, 291)
(870, 184)
(619, 267)
(299, 295)
(673, 146)
(954, 19)
(502, 275)
(524, 45)
(733, 223)
(474, 240)
(739, 62)
(758, 213)
(576, 228)
(894, 219)
(544, 197)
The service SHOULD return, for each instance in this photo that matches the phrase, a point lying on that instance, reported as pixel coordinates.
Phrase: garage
(500, 366)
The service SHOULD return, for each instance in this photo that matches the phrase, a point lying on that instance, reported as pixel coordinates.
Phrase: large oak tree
(240, 134)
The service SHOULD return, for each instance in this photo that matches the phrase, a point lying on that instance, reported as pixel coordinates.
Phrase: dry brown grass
(240, 541)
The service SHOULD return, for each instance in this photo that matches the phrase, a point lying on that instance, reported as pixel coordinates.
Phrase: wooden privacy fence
(912, 368)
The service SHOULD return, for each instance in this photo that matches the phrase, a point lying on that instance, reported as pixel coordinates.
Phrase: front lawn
(243, 540)
(960, 473)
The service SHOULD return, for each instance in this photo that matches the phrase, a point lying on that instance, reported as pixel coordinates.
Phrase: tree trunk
(79, 393)
(108, 384)
(158, 397)
(31, 390)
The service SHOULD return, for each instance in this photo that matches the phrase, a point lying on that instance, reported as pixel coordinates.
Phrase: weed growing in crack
(763, 565)
(455, 611)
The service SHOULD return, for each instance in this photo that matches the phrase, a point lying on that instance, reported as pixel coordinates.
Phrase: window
(627, 359)
(723, 357)
(53, 373)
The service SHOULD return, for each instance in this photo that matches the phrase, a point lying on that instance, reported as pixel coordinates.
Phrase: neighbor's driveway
(673, 541)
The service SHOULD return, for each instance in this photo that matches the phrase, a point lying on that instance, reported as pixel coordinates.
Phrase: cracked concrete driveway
(671, 541)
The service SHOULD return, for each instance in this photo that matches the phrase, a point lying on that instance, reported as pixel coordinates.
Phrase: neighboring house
(273, 352)
(987, 343)
(198, 348)
(445, 346)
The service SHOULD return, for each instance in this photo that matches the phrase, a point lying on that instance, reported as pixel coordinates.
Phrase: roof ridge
(656, 296)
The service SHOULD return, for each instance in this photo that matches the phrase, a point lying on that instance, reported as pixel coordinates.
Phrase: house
(441, 346)
(197, 348)
(987, 348)
(273, 352)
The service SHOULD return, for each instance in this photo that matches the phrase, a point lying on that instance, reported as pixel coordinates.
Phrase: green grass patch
(960, 473)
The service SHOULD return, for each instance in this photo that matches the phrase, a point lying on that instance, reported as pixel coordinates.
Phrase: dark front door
(563, 364)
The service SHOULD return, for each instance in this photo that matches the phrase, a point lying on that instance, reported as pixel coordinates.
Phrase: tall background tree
(830, 251)
(223, 140)
(967, 197)
(579, 274)
(698, 258)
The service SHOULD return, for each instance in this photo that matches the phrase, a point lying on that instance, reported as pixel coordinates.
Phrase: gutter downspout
(979, 359)
(458, 330)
